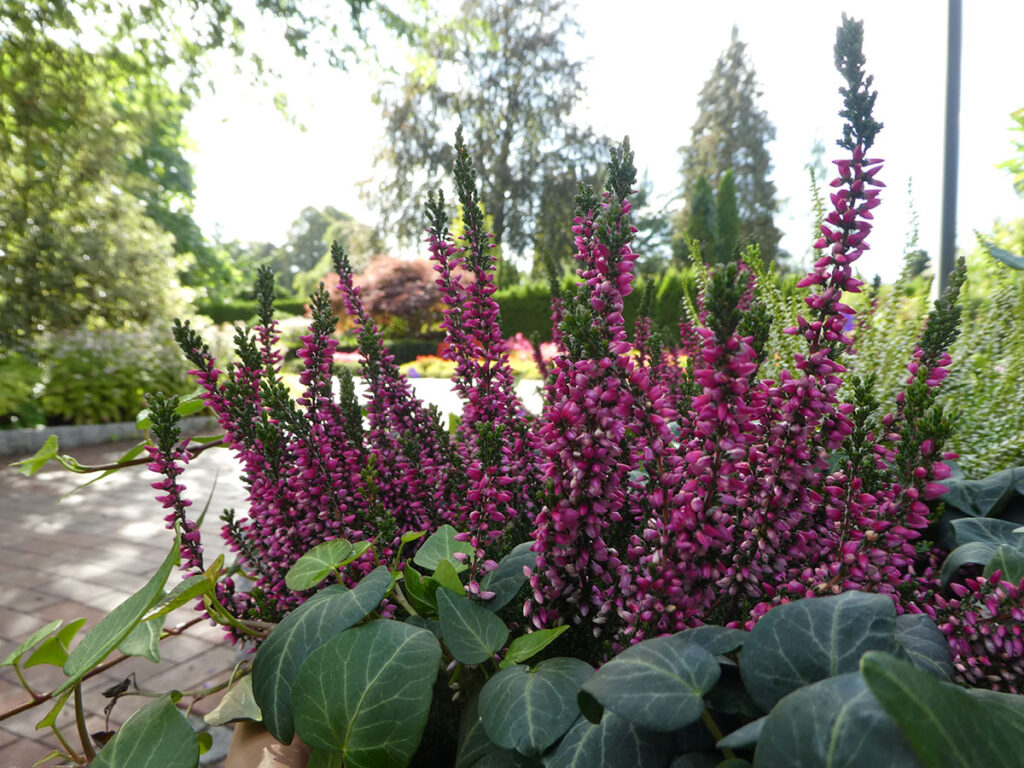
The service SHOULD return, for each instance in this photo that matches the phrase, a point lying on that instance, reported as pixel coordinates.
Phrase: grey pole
(947, 254)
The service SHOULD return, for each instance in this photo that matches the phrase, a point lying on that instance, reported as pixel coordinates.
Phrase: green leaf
(925, 644)
(366, 693)
(40, 459)
(988, 531)
(144, 641)
(473, 741)
(496, 757)
(54, 649)
(833, 722)
(972, 553)
(744, 737)
(33, 640)
(324, 615)
(982, 498)
(715, 640)
(529, 710)
(118, 624)
(1008, 560)
(614, 743)
(205, 741)
(446, 576)
(238, 703)
(525, 647)
(424, 602)
(947, 725)
(472, 633)
(1001, 254)
(442, 546)
(657, 684)
(808, 640)
(185, 591)
(506, 580)
(320, 758)
(157, 736)
(317, 564)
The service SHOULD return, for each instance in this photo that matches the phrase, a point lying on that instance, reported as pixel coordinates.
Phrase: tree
(76, 246)
(731, 133)
(501, 72)
(713, 224)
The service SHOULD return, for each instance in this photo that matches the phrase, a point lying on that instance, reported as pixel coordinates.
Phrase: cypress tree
(732, 133)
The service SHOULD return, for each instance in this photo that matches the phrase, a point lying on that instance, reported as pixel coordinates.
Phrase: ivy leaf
(157, 736)
(614, 743)
(54, 649)
(237, 704)
(804, 641)
(472, 633)
(715, 640)
(144, 641)
(366, 693)
(506, 580)
(1009, 561)
(972, 553)
(832, 722)
(525, 647)
(446, 575)
(657, 684)
(117, 625)
(440, 546)
(31, 642)
(947, 725)
(473, 741)
(529, 710)
(317, 564)
(277, 662)
(925, 644)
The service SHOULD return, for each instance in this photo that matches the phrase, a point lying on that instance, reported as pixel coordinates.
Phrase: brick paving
(79, 558)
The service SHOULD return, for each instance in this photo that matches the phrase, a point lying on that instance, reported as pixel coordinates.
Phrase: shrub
(21, 378)
(100, 376)
(243, 310)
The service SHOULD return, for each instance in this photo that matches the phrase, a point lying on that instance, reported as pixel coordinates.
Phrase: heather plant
(746, 550)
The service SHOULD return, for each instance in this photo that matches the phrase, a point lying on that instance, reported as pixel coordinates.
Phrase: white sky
(255, 172)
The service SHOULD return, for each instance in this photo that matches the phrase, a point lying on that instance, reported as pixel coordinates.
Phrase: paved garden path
(81, 557)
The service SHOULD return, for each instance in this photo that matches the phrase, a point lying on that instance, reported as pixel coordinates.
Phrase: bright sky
(255, 172)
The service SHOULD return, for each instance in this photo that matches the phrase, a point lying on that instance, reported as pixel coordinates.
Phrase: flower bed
(680, 560)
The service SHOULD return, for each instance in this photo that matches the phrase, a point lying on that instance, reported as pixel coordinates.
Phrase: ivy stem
(712, 726)
(79, 760)
(402, 601)
(24, 683)
(83, 732)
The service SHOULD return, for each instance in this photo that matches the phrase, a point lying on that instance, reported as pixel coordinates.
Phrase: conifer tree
(732, 134)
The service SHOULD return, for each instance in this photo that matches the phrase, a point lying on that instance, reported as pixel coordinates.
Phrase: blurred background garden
(155, 154)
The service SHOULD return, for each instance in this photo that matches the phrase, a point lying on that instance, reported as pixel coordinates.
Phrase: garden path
(81, 556)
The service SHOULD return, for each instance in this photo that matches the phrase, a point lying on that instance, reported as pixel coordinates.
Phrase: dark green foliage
(731, 134)
(240, 310)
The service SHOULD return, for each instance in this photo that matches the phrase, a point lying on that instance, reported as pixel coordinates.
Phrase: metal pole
(947, 254)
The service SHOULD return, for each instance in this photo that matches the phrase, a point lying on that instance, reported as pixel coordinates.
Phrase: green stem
(78, 759)
(402, 601)
(24, 683)
(712, 726)
(83, 732)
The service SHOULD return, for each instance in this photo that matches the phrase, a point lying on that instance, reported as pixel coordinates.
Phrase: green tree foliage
(76, 243)
(731, 133)
(1015, 165)
(304, 259)
(500, 71)
(713, 223)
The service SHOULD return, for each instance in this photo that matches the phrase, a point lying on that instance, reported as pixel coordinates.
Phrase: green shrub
(406, 350)
(20, 376)
(244, 310)
(101, 376)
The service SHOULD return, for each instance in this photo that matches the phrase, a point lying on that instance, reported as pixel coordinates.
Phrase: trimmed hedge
(243, 310)
(526, 308)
